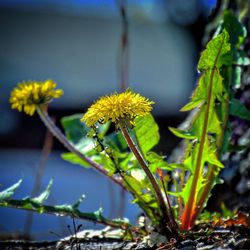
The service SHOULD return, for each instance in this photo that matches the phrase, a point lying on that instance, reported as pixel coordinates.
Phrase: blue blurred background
(77, 44)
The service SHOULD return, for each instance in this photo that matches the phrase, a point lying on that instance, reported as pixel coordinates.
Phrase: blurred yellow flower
(116, 107)
(31, 93)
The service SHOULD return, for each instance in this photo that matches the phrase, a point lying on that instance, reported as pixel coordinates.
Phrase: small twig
(60, 136)
(48, 143)
(124, 47)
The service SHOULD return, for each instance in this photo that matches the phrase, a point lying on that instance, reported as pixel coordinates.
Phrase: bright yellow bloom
(116, 107)
(29, 94)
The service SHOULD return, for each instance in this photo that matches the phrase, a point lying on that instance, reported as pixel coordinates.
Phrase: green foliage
(239, 110)
(111, 150)
(147, 133)
(207, 136)
(7, 193)
(216, 54)
(206, 127)
(205, 139)
(36, 204)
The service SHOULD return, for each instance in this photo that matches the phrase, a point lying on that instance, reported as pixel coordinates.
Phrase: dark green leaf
(238, 109)
(237, 32)
(74, 129)
(116, 141)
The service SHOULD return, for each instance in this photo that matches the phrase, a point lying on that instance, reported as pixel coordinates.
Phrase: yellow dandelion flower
(117, 107)
(29, 94)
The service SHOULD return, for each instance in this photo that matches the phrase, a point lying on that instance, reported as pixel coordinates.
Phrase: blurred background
(77, 43)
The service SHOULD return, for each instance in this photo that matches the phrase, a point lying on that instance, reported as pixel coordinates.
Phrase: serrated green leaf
(7, 193)
(98, 214)
(37, 205)
(238, 109)
(191, 159)
(147, 197)
(182, 134)
(157, 161)
(217, 53)
(105, 160)
(191, 105)
(138, 189)
(78, 202)
(45, 194)
(147, 133)
(174, 166)
(210, 154)
(214, 124)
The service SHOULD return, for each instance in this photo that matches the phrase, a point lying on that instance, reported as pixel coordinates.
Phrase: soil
(220, 238)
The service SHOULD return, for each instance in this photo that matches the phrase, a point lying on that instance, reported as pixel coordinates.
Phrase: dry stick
(124, 45)
(144, 165)
(60, 136)
(48, 142)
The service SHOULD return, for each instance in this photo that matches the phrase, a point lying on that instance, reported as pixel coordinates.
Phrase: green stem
(189, 214)
(170, 215)
(165, 219)
(189, 208)
(64, 211)
(60, 136)
(205, 192)
(212, 169)
(130, 189)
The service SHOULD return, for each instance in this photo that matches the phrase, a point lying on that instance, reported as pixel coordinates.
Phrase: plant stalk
(164, 211)
(189, 213)
(61, 137)
(170, 215)
(211, 168)
(33, 206)
(130, 189)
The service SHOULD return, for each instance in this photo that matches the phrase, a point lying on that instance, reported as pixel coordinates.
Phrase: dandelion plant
(126, 154)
